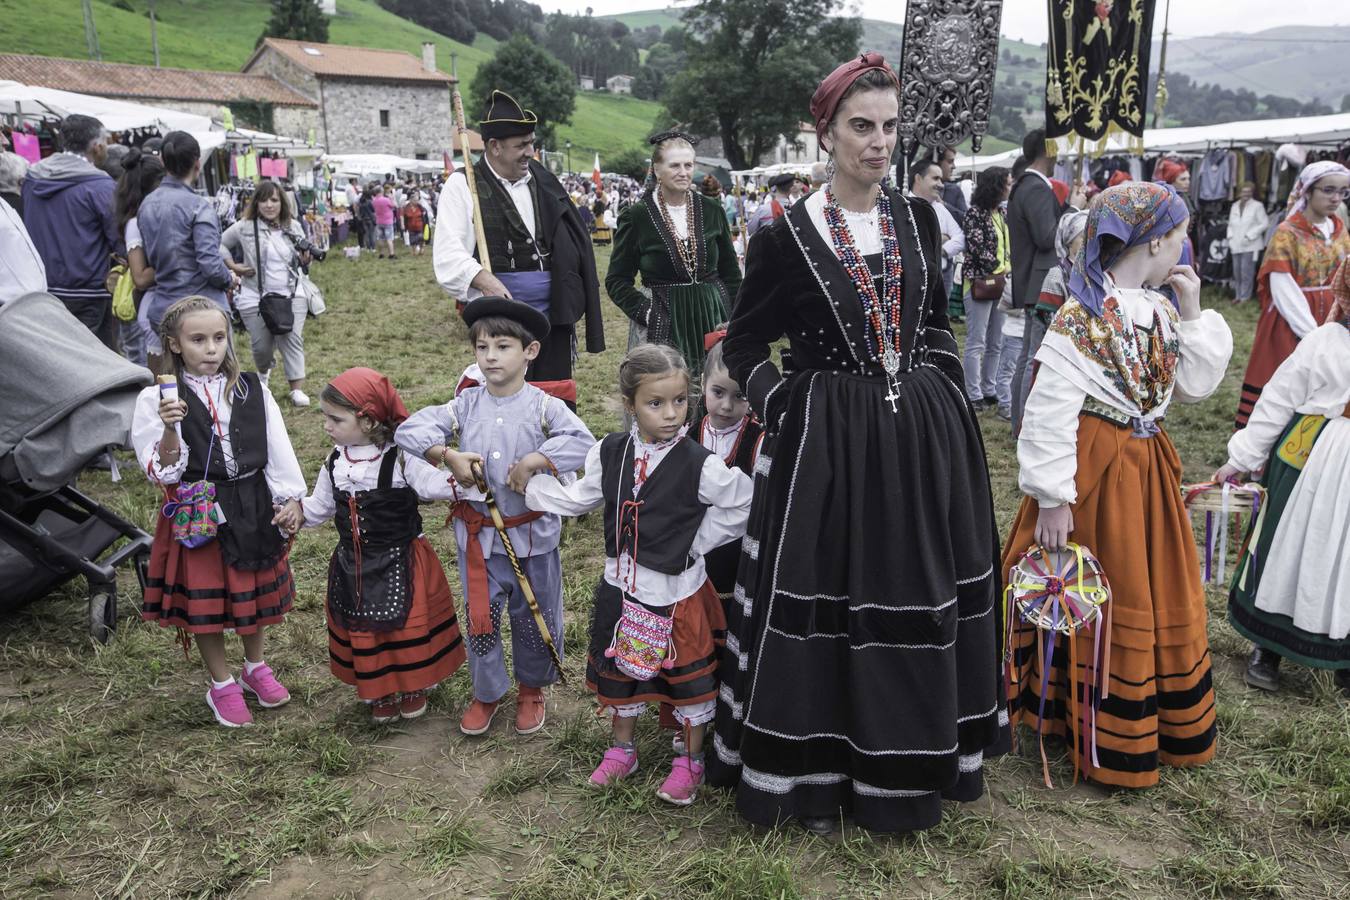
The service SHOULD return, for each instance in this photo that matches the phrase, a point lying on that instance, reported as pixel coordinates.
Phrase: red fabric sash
(476, 591)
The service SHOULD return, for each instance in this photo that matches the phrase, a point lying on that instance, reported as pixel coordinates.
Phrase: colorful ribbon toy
(1227, 500)
(1063, 595)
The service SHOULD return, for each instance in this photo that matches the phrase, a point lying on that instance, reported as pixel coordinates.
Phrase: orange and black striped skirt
(427, 650)
(1160, 705)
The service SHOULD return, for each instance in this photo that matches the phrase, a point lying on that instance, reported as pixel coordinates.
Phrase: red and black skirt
(699, 633)
(196, 590)
(423, 651)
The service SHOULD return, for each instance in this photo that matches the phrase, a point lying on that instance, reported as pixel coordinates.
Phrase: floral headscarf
(1136, 213)
(1071, 225)
(1310, 175)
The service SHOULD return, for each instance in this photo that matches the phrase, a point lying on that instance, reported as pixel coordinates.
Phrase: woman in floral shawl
(1294, 284)
(1098, 470)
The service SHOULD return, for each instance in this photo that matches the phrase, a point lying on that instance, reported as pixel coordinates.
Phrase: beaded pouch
(195, 515)
(643, 642)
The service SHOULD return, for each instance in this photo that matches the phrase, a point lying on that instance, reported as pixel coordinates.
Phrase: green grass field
(115, 782)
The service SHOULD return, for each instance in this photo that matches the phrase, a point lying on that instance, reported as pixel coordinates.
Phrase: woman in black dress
(862, 660)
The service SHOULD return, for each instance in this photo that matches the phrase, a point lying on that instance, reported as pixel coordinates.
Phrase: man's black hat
(781, 182)
(529, 318)
(504, 118)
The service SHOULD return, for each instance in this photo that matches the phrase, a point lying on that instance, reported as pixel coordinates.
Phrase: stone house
(260, 101)
(369, 101)
(619, 84)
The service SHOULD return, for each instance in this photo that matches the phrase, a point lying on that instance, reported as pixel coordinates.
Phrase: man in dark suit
(1033, 216)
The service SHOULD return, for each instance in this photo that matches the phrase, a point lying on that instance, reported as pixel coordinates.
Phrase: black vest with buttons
(510, 246)
(369, 576)
(657, 527)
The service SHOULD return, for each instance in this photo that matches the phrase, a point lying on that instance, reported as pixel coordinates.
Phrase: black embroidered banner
(1096, 74)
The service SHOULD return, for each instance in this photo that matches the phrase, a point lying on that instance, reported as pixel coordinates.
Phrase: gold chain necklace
(684, 245)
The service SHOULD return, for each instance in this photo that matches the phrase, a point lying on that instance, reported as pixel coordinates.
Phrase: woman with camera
(261, 248)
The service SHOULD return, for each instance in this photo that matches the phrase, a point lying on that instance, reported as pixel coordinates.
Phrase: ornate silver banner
(947, 77)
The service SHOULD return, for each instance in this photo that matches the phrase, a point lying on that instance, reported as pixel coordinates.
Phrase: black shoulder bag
(275, 307)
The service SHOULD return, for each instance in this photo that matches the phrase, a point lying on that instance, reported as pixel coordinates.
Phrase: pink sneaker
(616, 764)
(681, 785)
(228, 705)
(264, 685)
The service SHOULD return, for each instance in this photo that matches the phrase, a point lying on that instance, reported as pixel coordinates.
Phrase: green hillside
(220, 34)
(648, 17)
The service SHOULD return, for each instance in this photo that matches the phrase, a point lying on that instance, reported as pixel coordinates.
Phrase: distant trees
(463, 19)
(531, 75)
(752, 64)
(664, 59)
(598, 48)
(1189, 103)
(296, 20)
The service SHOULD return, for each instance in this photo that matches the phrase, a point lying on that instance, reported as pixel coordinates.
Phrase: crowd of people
(382, 210)
(786, 526)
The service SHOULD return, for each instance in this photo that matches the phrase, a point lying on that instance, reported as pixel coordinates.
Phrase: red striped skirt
(193, 588)
(427, 650)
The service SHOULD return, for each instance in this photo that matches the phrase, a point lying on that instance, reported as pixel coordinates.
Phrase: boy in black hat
(780, 199)
(513, 430)
(539, 250)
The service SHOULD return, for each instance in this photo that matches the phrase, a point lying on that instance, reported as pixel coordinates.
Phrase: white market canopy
(359, 165)
(27, 101)
(261, 140)
(116, 115)
(1197, 139)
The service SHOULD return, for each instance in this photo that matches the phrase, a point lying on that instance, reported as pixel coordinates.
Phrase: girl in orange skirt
(392, 631)
(1098, 470)
(214, 438)
(657, 622)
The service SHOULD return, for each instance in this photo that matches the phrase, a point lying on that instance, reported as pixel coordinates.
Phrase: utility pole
(154, 34)
(1160, 96)
(90, 32)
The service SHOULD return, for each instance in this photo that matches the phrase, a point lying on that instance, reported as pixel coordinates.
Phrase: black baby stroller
(65, 400)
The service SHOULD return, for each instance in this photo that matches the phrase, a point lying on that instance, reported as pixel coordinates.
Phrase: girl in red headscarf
(392, 631)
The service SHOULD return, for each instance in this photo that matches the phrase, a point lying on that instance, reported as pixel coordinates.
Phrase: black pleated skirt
(861, 672)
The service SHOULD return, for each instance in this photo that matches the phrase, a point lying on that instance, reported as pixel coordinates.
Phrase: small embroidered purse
(644, 642)
(194, 512)
(193, 509)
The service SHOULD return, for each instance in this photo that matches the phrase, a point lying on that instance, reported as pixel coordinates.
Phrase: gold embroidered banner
(1096, 75)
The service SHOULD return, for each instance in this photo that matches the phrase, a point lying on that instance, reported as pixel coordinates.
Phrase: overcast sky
(1026, 19)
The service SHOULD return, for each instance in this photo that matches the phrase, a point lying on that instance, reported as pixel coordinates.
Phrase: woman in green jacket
(679, 242)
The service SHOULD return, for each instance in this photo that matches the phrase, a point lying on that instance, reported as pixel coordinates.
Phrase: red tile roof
(339, 61)
(145, 82)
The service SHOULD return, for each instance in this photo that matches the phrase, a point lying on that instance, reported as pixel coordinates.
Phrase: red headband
(712, 338)
(825, 101)
(372, 394)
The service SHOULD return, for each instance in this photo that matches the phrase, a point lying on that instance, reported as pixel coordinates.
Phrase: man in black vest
(539, 250)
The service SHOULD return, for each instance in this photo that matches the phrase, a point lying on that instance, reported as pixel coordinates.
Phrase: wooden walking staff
(524, 582)
(457, 106)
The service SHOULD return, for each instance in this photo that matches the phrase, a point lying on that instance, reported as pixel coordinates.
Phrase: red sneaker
(412, 704)
(478, 717)
(384, 710)
(529, 709)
